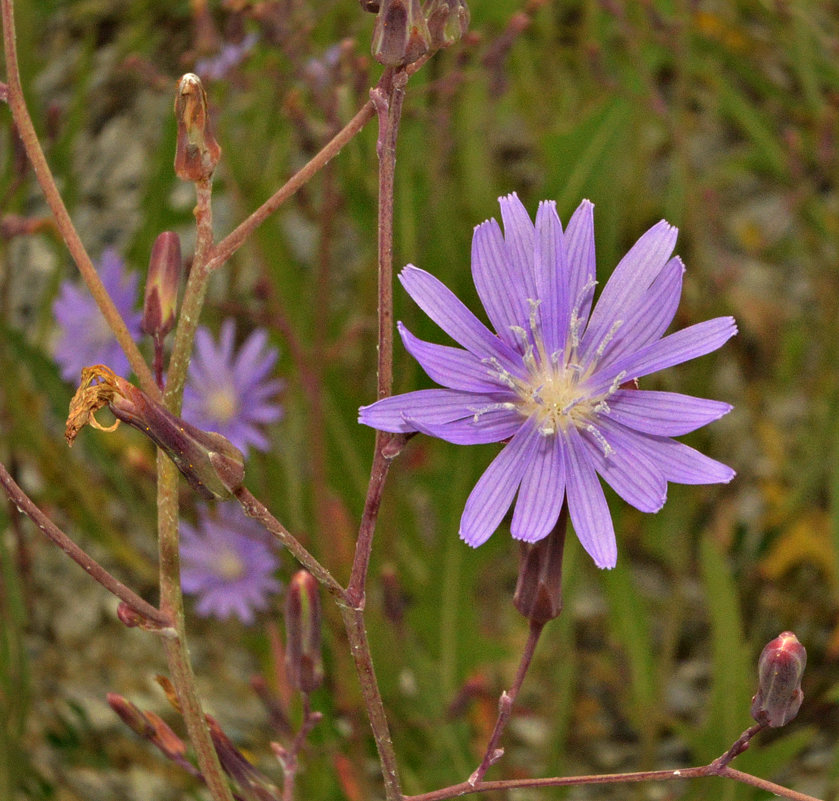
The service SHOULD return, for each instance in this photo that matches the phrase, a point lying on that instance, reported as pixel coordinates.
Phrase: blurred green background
(722, 117)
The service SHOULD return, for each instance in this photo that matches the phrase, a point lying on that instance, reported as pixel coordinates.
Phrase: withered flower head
(197, 153)
(210, 463)
(304, 665)
(448, 21)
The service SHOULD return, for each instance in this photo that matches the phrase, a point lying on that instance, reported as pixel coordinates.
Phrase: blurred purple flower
(85, 337)
(228, 58)
(227, 561)
(229, 391)
(558, 378)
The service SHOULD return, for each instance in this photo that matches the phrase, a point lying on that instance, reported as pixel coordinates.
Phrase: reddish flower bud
(304, 666)
(131, 715)
(400, 35)
(197, 153)
(538, 593)
(448, 21)
(211, 464)
(162, 282)
(780, 668)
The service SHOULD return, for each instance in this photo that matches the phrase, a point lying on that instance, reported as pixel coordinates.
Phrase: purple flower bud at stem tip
(780, 669)
(197, 152)
(161, 298)
(303, 631)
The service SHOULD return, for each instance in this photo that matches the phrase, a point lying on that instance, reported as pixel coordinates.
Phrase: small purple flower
(226, 560)
(85, 337)
(558, 378)
(227, 59)
(230, 391)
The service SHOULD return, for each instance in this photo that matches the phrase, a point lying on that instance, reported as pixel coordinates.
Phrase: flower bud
(370, 5)
(162, 285)
(448, 21)
(131, 715)
(538, 593)
(197, 153)
(304, 666)
(780, 668)
(211, 464)
(400, 35)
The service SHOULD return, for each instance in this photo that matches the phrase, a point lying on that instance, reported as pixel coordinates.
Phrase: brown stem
(389, 109)
(25, 505)
(360, 648)
(464, 788)
(35, 153)
(505, 705)
(257, 510)
(237, 237)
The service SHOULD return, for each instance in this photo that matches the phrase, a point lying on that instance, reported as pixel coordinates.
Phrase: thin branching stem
(36, 156)
(25, 505)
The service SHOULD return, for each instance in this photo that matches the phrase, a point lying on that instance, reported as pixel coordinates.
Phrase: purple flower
(229, 391)
(85, 337)
(227, 561)
(558, 378)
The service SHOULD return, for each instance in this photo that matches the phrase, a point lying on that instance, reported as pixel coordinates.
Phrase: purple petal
(454, 368)
(579, 241)
(492, 425)
(631, 278)
(682, 464)
(499, 288)
(492, 495)
(430, 406)
(631, 474)
(541, 493)
(651, 316)
(519, 239)
(666, 414)
(682, 346)
(587, 505)
(551, 272)
(444, 308)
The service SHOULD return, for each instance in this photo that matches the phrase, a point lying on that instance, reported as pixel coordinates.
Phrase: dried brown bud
(161, 297)
(197, 153)
(780, 668)
(211, 464)
(370, 5)
(538, 593)
(131, 715)
(304, 665)
(400, 35)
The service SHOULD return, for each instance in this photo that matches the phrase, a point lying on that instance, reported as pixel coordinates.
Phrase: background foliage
(721, 117)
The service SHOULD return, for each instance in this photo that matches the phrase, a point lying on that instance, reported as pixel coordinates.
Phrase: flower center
(229, 566)
(222, 404)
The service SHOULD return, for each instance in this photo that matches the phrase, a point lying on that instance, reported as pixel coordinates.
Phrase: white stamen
(607, 448)
(608, 338)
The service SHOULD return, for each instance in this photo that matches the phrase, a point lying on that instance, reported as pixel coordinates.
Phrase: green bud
(196, 153)
(780, 669)
(304, 666)
(164, 275)
(400, 35)
(448, 21)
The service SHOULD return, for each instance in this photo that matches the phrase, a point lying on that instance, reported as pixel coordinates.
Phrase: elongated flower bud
(780, 668)
(161, 297)
(211, 464)
(400, 35)
(448, 21)
(538, 593)
(197, 153)
(304, 666)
